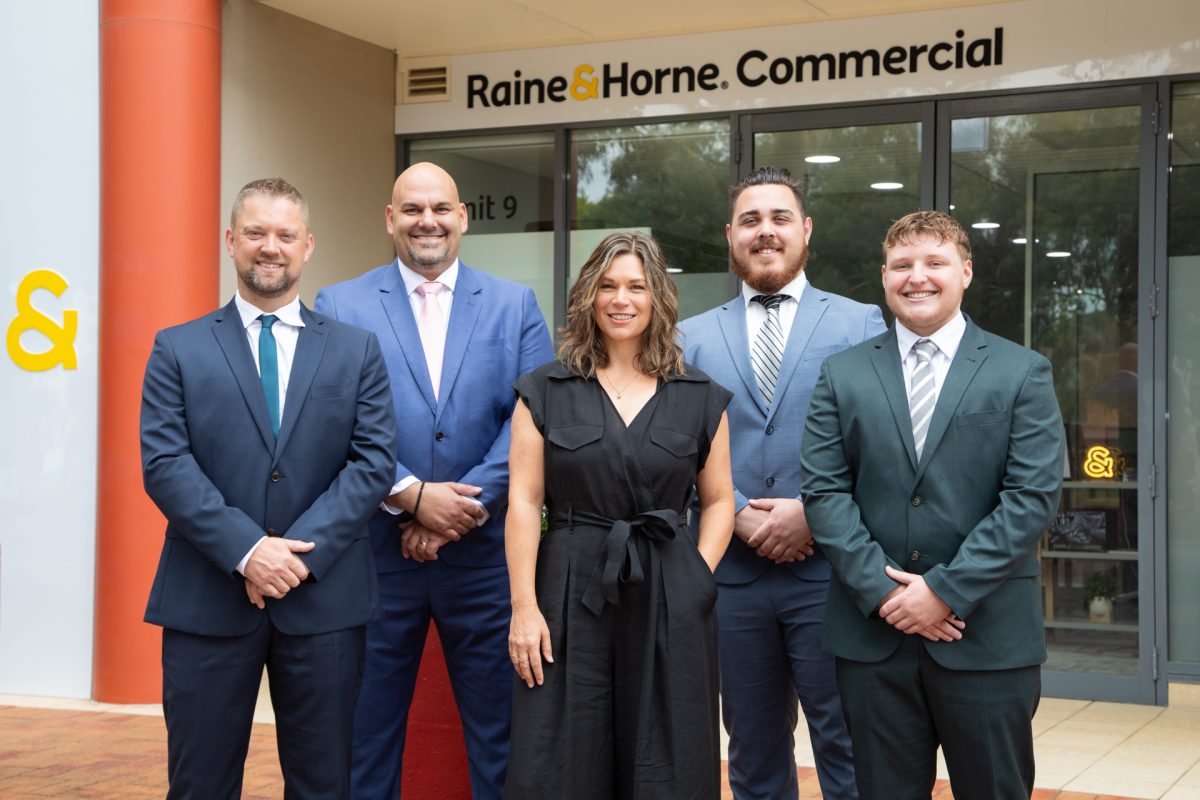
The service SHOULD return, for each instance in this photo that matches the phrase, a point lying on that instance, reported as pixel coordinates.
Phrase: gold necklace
(613, 386)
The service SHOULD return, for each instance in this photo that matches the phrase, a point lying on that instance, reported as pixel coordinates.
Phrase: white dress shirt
(756, 313)
(286, 331)
(947, 338)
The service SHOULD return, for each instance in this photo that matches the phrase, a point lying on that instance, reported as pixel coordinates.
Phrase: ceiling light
(823, 159)
(1020, 240)
(887, 185)
(674, 270)
(1058, 254)
(985, 226)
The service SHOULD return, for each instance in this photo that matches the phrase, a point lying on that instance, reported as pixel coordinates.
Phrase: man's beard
(267, 287)
(769, 281)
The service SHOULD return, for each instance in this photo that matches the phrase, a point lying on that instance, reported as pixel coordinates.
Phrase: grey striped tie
(767, 352)
(921, 393)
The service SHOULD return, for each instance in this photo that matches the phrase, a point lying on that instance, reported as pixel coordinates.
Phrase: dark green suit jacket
(967, 517)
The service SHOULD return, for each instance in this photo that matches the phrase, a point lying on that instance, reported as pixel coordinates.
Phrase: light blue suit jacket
(496, 334)
(765, 442)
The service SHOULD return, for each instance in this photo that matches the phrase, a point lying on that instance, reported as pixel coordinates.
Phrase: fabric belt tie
(621, 563)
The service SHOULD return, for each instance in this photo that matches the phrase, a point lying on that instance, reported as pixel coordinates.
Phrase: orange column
(160, 138)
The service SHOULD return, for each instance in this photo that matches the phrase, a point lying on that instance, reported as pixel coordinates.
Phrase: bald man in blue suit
(454, 340)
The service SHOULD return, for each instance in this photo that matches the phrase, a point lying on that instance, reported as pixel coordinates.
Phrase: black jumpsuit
(629, 706)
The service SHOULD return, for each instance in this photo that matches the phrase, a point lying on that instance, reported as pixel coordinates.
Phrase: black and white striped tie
(767, 352)
(921, 393)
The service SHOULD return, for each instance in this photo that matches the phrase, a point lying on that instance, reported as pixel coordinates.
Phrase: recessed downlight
(985, 226)
(674, 270)
(1058, 254)
(1020, 240)
(887, 186)
(823, 159)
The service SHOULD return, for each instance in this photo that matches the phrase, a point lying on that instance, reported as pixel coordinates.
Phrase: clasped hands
(912, 607)
(274, 569)
(775, 528)
(447, 511)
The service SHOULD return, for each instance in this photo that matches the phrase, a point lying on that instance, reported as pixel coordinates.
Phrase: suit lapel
(972, 352)
(811, 307)
(398, 308)
(464, 312)
(732, 319)
(231, 336)
(309, 348)
(886, 360)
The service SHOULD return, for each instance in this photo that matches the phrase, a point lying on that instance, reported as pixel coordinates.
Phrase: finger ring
(421, 544)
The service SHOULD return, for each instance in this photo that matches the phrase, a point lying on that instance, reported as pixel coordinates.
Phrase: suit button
(272, 532)
(439, 436)
(770, 429)
(770, 481)
(275, 476)
(916, 501)
(915, 555)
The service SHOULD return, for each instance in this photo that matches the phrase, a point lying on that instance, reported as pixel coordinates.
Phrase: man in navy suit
(454, 340)
(267, 434)
(766, 346)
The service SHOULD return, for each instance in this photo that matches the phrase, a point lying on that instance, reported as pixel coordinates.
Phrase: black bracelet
(417, 505)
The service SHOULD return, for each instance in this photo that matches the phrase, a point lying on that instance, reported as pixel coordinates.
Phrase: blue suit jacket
(496, 334)
(765, 442)
(212, 465)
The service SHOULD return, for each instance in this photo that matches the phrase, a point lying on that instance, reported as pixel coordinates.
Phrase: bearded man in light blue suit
(773, 581)
(454, 340)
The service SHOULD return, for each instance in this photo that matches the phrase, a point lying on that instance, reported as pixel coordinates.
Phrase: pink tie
(433, 331)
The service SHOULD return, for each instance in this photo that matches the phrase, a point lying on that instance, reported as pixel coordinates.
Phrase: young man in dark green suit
(931, 465)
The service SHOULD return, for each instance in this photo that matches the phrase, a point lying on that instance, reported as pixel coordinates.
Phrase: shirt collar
(947, 337)
(289, 314)
(793, 289)
(413, 279)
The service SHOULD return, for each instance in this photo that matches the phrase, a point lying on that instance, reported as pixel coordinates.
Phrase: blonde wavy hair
(582, 349)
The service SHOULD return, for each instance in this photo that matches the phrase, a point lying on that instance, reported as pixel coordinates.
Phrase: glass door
(1052, 190)
(861, 169)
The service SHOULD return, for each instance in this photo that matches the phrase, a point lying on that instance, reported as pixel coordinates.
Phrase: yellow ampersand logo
(62, 337)
(581, 87)
(1100, 462)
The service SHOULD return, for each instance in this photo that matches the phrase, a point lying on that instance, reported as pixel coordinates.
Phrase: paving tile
(1178, 792)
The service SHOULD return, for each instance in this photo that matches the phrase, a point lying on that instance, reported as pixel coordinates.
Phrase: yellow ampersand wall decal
(62, 337)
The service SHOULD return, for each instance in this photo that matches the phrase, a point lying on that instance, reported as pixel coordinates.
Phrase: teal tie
(268, 369)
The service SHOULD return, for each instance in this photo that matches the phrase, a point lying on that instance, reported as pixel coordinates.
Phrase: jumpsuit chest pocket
(573, 437)
(676, 443)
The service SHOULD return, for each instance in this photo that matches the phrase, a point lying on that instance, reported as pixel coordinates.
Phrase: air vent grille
(426, 82)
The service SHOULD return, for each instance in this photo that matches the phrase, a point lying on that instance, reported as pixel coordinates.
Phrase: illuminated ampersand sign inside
(1100, 462)
(62, 337)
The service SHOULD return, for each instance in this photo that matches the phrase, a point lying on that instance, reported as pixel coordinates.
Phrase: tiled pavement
(1086, 751)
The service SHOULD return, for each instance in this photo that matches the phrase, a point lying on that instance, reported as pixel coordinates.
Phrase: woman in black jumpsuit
(613, 634)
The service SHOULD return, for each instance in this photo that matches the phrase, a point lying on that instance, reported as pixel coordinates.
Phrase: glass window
(1183, 378)
(1051, 203)
(507, 184)
(857, 179)
(670, 180)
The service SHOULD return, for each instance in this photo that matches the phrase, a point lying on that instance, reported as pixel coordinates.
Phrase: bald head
(426, 219)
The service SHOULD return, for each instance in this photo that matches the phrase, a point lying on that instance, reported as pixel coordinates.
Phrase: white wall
(49, 157)
(315, 107)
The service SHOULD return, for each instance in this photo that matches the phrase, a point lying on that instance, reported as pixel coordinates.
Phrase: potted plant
(1099, 590)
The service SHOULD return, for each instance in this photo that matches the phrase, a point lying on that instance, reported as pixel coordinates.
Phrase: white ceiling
(456, 27)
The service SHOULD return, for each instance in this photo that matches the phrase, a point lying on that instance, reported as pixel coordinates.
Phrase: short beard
(419, 260)
(768, 282)
(255, 282)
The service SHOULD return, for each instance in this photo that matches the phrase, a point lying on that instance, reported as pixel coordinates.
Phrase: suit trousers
(901, 709)
(471, 608)
(771, 657)
(210, 687)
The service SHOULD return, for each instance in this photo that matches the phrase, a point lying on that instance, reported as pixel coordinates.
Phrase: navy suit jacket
(214, 468)
(765, 442)
(967, 516)
(496, 334)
